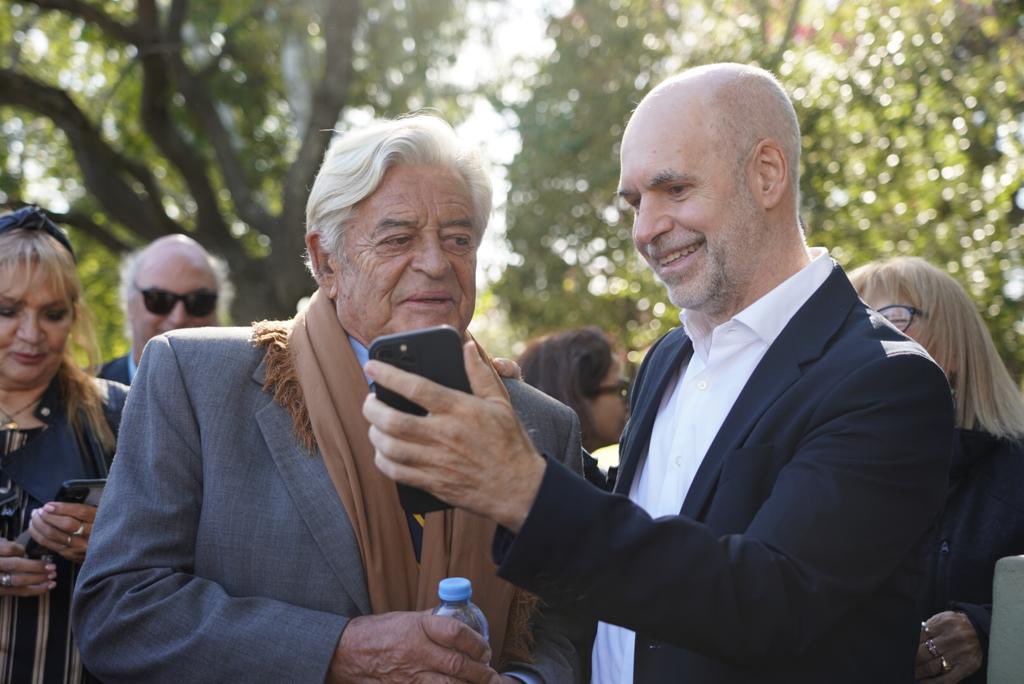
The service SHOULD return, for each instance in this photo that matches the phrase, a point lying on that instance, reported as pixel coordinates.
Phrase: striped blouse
(36, 645)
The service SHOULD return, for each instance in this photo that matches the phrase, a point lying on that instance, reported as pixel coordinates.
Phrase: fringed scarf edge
(282, 383)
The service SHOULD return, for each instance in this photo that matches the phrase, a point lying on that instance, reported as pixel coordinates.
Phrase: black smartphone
(436, 354)
(71, 491)
(82, 491)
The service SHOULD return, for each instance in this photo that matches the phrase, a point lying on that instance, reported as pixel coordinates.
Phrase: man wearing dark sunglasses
(172, 283)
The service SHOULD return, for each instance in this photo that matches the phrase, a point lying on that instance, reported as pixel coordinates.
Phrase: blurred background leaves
(911, 115)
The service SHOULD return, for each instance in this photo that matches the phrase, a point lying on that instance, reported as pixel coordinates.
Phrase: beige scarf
(326, 408)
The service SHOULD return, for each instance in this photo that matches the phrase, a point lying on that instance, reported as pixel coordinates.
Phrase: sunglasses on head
(197, 303)
(34, 218)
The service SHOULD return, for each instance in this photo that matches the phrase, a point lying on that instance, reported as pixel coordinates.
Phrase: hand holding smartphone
(435, 354)
(83, 491)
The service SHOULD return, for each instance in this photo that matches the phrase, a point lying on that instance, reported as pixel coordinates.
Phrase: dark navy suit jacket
(799, 551)
(116, 370)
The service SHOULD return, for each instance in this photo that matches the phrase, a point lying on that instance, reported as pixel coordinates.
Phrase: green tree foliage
(131, 119)
(912, 134)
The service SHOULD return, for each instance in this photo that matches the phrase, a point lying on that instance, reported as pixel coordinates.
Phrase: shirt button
(45, 411)
(702, 385)
(678, 460)
(945, 546)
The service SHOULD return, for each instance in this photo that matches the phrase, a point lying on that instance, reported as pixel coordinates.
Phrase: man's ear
(323, 263)
(769, 174)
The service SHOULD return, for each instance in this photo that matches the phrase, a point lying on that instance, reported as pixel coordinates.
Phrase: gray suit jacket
(221, 551)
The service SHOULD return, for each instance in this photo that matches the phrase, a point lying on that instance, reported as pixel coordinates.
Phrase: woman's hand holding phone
(21, 576)
(64, 528)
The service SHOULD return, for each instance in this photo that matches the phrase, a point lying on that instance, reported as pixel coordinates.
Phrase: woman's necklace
(7, 420)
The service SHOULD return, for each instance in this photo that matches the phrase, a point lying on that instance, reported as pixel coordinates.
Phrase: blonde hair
(34, 256)
(954, 334)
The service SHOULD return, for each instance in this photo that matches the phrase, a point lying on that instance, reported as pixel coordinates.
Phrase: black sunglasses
(197, 302)
(34, 218)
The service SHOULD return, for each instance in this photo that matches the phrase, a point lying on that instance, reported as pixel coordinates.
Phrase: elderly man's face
(695, 222)
(408, 257)
(176, 269)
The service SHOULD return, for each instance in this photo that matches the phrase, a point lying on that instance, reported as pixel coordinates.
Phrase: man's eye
(395, 242)
(676, 190)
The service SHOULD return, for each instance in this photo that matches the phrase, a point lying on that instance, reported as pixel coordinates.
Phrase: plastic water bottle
(455, 593)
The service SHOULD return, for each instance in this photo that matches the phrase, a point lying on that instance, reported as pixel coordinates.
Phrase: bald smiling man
(787, 450)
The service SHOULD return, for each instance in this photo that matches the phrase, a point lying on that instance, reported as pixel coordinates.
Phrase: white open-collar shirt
(692, 410)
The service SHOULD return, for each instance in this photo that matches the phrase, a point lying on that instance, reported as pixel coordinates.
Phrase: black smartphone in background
(433, 353)
(84, 491)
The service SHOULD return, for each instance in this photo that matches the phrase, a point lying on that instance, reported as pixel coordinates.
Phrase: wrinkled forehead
(421, 191)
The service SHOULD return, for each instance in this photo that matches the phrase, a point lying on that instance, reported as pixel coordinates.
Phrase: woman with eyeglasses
(579, 369)
(984, 515)
(56, 424)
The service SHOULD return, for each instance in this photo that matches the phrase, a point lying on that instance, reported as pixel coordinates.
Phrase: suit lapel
(804, 339)
(314, 496)
(665, 361)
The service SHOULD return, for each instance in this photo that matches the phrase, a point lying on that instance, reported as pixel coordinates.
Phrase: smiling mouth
(429, 300)
(673, 257)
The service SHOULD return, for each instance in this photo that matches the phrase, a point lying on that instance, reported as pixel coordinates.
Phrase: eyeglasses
(620, 388)
(34, 218)
(901, 315)
(197, 302)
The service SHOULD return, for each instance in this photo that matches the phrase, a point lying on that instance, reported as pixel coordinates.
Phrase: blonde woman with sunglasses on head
(56, 424)
(984, 515)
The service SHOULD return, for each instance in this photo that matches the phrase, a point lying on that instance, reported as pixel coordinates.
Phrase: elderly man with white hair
(253, 538)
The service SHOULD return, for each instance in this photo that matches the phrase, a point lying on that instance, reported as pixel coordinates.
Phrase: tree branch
(84, 223)
(104, 169)
(176, 18)
(92, 15)
(794, 14)
(328, 101)
(203, 108)
(157, 90)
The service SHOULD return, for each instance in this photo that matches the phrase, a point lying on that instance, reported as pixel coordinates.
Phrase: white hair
(355, 165)
(131, 262)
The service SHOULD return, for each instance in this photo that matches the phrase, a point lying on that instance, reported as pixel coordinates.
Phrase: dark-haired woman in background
(56, 423)
(984, 516)
(579, 368)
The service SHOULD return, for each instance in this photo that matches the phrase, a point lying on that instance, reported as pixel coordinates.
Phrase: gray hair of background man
(746, 120)
(130, 270)
(356, 162)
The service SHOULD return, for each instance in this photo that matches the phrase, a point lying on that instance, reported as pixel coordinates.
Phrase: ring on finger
(930, 645)
(946, 666)
(68, 543)
(924, 628)
(79, 531)
(5, 579)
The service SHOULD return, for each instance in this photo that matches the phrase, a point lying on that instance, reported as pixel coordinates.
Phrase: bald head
(709, 163)
(734, 104)
(171, 265)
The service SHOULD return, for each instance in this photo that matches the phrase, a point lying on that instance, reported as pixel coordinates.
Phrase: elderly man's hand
(407, 647)
(470, 450)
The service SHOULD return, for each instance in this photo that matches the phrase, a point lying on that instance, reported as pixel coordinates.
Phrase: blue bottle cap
(455, 589)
